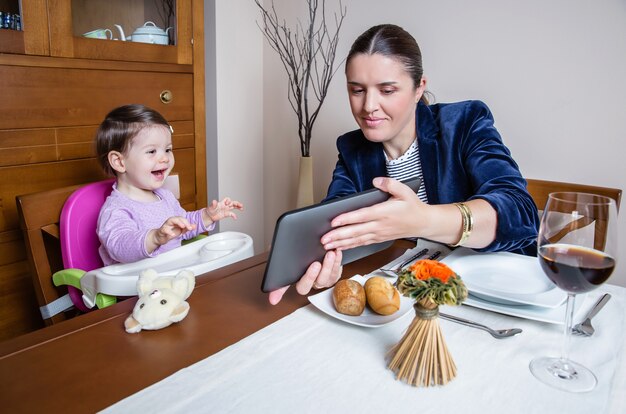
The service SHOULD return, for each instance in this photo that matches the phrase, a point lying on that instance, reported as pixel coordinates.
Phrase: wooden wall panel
(26, 155)
(183, 141)
(75, 151)
(77, 134)
(33, 146)
(183, 134)
(26, 137)
(27, 146)
(185, 168)
(182, 127)
(78, 97)
(26, 179)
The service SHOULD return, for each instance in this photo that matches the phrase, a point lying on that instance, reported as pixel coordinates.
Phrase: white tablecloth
(309, 362)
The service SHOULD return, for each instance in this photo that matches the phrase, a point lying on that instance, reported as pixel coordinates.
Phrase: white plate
(505, 278)
(324, 302)
(549, 315)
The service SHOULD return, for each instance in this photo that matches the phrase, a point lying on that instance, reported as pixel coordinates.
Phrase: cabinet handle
(166, 96)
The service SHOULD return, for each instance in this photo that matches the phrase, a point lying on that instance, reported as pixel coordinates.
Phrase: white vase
(305, 183)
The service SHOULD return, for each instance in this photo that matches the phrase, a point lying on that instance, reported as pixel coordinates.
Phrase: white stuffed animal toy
(161, 300)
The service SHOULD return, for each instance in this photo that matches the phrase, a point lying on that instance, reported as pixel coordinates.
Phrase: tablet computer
(296, 242)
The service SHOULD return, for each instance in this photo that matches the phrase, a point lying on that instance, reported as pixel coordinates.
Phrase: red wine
(575, 269)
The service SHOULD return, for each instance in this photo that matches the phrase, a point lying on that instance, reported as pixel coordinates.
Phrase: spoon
(496, 333)
(584, 328)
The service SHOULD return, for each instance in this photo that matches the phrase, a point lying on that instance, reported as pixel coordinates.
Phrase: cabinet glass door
(128, 30)
(153, 20)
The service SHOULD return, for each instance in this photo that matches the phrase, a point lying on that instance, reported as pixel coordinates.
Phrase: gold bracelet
(468, 223)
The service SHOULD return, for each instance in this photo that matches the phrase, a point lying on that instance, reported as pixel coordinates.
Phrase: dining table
(237, 353)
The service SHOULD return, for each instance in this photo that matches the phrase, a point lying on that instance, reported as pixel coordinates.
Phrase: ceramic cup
(99, 34)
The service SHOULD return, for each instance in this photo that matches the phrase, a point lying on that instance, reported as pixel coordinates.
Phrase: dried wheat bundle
(421, 358)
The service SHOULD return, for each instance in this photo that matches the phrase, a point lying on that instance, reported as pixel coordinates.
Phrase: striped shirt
(406, 166)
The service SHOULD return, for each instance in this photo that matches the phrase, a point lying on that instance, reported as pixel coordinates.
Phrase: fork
(395, 270)
(496, 333)
(584, 328)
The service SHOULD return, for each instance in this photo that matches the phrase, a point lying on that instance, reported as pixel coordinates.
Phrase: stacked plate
(511, 284)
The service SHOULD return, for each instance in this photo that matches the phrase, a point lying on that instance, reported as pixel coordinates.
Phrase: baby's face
(150, 159)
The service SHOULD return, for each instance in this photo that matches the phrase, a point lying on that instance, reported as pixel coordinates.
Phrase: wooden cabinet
(58, 86)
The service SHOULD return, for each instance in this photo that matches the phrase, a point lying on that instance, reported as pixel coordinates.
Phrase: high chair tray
(199, 257)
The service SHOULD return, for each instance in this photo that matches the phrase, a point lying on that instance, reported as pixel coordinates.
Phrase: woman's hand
(400, 216)
(317, 276)
(405, 215)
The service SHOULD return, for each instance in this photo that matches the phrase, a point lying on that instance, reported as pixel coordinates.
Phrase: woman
(472, 192)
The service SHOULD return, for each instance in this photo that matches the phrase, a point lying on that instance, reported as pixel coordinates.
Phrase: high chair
(61, 223)
(79, 240)
(65, 219)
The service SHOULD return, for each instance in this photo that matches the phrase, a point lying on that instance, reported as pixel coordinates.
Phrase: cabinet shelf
(12, 41)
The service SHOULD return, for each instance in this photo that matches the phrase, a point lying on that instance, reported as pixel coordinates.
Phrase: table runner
(309, 362)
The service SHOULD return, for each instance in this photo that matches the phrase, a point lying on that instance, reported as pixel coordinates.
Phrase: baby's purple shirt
(123, 224)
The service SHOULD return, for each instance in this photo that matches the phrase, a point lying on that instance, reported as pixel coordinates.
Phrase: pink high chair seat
(77, 226)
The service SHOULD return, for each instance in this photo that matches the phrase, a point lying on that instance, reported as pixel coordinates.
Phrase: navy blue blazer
(463, 158)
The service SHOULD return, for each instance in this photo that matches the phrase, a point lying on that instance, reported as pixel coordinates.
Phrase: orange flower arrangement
(421, 358)
(425, 269)
(433, 280)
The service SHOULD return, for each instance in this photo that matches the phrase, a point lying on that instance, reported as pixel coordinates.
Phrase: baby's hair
(119, 128)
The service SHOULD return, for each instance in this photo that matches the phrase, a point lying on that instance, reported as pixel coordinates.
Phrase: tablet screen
(296, 243)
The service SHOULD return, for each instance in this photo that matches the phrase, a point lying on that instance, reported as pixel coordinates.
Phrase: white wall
(235, 119)
(551, 71)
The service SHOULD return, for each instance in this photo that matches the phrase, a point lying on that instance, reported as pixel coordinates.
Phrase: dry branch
(307, 53)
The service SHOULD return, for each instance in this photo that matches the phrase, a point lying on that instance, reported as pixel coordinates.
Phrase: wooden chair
(539, 190)
(39, 215)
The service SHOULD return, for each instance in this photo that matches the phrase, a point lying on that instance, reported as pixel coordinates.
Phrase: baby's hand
(219, 210)
(171, 229)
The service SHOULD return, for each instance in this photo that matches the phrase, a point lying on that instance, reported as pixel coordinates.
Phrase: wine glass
(577, 249)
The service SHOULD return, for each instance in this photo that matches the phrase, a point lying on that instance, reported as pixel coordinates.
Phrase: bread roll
(349, 297)
(382, 296)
